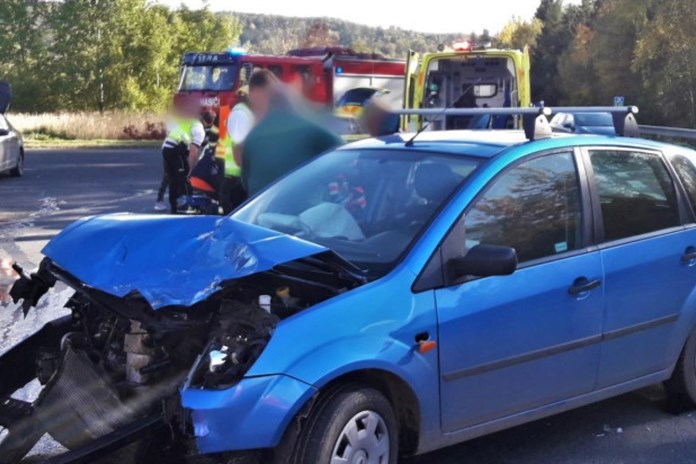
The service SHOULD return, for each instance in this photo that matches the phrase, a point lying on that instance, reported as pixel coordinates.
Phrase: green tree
(576, 70)
(518, 33)
(665, 60)
(125, 53)
(23, 49)
(552, 42)
(618, 27)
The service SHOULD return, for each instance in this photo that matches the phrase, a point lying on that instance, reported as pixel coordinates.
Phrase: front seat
(433, 182)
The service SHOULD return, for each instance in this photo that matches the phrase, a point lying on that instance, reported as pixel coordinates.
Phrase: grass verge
(97, 143)
(110, 125)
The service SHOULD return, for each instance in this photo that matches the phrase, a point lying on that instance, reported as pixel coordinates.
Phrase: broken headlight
(242, 332)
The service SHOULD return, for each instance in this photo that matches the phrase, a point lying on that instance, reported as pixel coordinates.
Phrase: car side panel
(9, 146)
(5, 153)
(514, 343)
(374, 327)
(647, 286)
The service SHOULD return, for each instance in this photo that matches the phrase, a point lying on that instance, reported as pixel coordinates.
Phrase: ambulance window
(485, 90)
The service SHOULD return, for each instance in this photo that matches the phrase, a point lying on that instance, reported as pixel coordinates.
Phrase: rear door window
(686, 171)
(636, 193)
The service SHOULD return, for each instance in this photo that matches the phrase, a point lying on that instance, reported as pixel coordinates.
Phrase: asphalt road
(61, 186)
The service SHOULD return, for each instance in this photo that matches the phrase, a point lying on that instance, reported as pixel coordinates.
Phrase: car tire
(18, 171)
(352, 422)
(681, 387)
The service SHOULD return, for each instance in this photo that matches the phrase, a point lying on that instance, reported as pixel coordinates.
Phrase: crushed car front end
(161, 335)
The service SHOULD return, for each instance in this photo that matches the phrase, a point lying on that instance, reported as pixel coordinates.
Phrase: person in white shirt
(239, 123)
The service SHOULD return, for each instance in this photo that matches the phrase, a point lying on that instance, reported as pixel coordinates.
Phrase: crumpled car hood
(169, 260)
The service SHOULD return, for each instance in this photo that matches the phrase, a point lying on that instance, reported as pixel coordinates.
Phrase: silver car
(11, 144)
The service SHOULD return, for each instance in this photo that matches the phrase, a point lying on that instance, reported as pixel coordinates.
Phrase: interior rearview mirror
(486, 261)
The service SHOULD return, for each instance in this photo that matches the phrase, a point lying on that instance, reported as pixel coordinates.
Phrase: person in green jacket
(282, 140)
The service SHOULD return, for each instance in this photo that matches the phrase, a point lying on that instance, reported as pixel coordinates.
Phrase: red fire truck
(324, 75)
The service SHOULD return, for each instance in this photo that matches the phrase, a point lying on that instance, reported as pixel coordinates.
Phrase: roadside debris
(608, 430)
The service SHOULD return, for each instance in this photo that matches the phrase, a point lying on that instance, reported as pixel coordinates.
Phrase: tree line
(270, 34)
(124, 54)
(77, 55)
(639, 49)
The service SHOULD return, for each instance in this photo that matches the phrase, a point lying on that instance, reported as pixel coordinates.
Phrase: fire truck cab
(466, 76)
(322, 75)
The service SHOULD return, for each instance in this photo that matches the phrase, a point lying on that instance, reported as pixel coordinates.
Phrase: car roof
(482, 143)
(488, 143)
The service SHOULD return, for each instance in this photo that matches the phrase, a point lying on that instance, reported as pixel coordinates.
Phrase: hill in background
(271, 34)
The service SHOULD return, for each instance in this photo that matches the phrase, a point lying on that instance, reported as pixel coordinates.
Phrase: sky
(441, 16)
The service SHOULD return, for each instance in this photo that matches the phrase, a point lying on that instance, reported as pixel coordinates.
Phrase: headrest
(434, 181)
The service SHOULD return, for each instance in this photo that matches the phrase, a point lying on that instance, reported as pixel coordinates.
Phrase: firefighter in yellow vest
(238, 123)
(185, 135)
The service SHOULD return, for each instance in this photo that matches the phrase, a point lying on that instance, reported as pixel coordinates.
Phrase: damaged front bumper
(108, 379)
(142, 352)
(251, 415)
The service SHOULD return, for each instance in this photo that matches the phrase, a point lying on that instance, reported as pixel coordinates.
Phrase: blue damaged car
(389, 298)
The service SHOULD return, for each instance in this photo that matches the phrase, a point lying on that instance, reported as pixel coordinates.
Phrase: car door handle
(583, 285)
(689, 255)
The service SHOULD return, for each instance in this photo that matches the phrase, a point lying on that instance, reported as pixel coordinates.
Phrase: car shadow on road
(634, 428)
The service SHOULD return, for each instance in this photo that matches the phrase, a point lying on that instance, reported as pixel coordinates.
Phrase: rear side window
(534, 208)
(636, 193)
(686, 171)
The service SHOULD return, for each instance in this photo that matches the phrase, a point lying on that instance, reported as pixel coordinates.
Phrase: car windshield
(593, 119)
(367, 205)
(208, 77)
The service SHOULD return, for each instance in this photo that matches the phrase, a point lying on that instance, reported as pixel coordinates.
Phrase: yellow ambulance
(465, 76)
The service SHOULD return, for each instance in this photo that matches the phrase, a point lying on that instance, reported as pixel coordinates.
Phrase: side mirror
(486, 261)
(4, 132)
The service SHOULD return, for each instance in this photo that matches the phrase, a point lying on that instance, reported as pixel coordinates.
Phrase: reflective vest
(180, 132)
(225, 147)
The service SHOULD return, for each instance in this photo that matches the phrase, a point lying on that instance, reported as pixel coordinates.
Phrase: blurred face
(260, 100)
(188, 109)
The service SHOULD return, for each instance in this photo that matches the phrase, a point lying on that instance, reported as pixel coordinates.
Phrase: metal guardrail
(515, 111)
(674, 132)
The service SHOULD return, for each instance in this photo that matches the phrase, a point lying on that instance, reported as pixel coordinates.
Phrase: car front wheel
(351, 425)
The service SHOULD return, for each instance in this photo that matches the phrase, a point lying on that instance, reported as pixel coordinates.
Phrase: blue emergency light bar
(236, 51)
